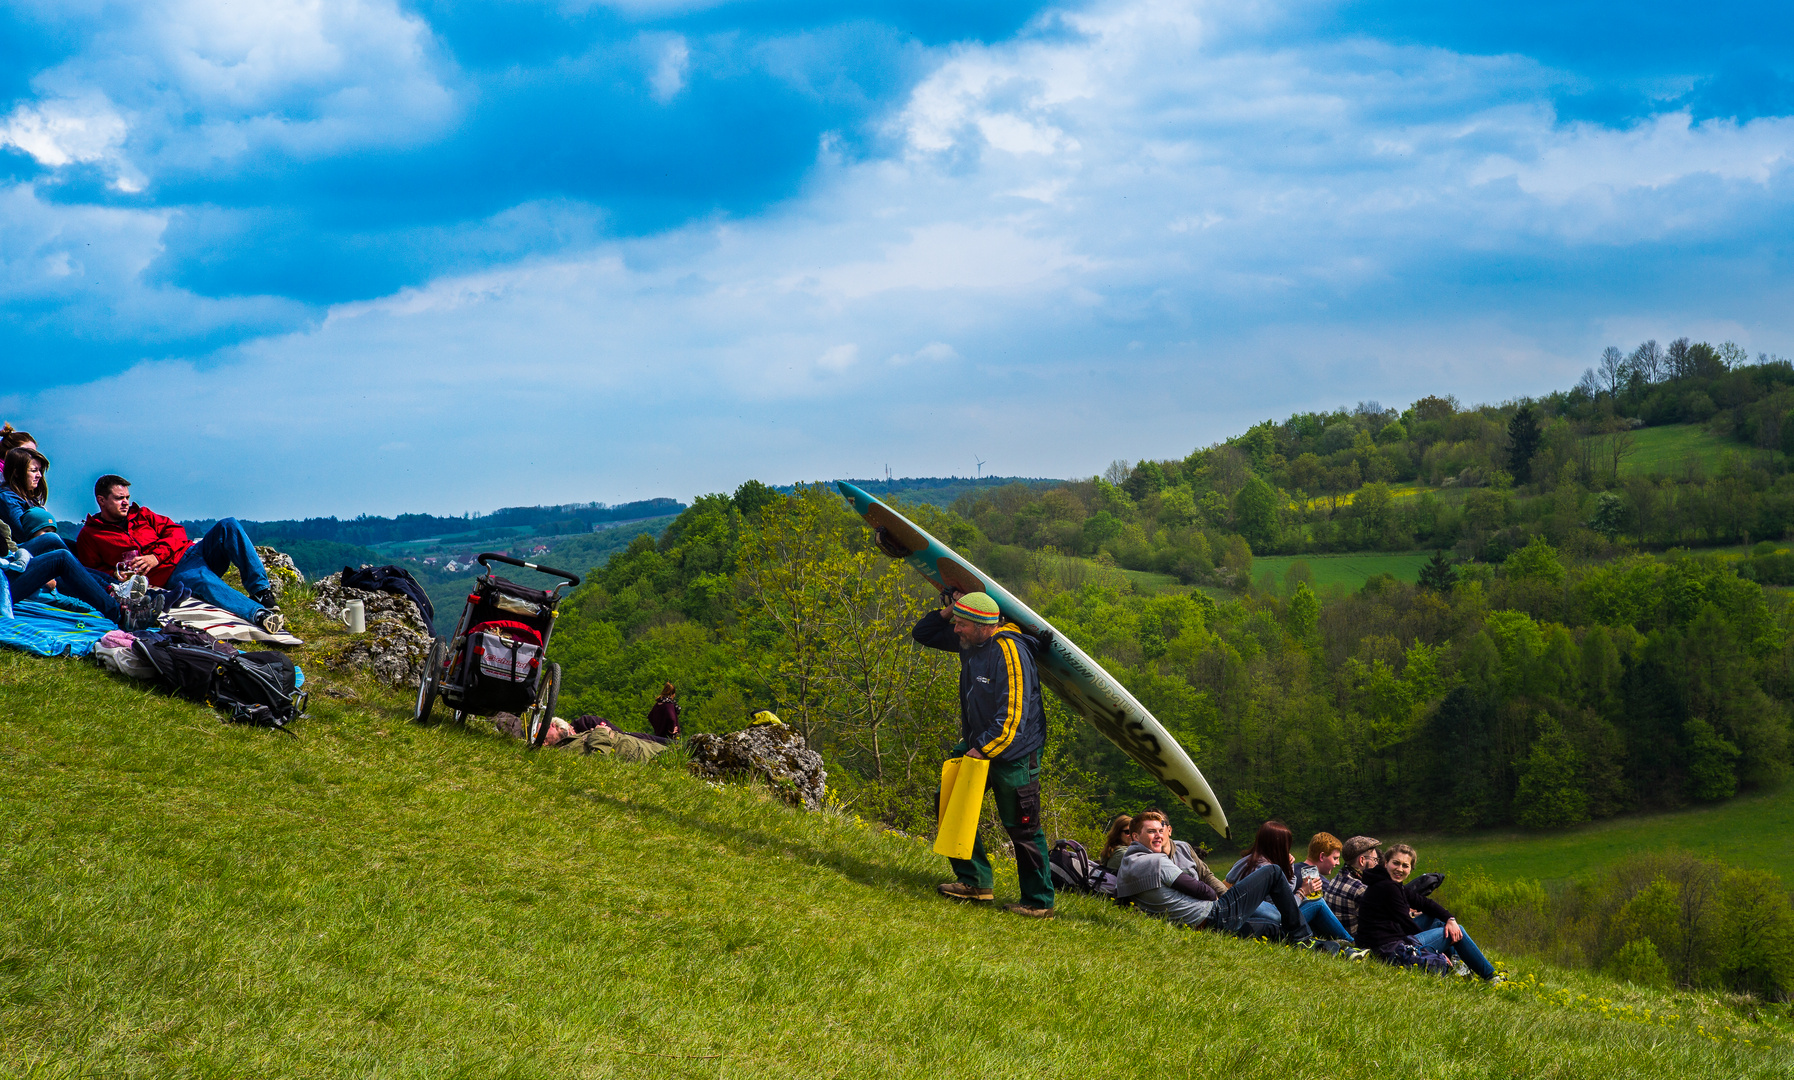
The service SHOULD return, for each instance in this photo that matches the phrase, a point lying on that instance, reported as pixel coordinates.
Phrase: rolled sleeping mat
(958, 830)
(949, 777)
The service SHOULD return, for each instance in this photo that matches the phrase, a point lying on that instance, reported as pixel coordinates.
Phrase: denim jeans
(1315, 913)
(1238, 908)
(72, 579)
(224, 545)
(1432, 935)
(1323, 922)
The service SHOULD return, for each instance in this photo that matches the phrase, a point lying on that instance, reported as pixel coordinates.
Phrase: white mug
(355, 617)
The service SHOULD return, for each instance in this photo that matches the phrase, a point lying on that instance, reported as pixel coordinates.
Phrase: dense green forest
(1557, 662)
(1478, 482)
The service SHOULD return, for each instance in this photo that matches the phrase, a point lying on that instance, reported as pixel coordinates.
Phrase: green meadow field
(1669, 450)
(369, 898)
(1746, 831)
(1349, 571)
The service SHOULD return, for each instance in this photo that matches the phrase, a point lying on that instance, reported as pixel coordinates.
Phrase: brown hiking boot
(1029, 912)
(953, 890)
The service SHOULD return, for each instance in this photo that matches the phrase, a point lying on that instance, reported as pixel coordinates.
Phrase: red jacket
(103, 543)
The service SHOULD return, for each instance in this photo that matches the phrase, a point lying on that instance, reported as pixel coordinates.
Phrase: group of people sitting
(1358, 900)
(118, 543)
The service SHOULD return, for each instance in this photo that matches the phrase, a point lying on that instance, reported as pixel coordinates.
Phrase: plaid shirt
(1342, 892)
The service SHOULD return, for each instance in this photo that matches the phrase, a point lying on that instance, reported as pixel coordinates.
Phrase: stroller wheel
(426, 686)
(545, 704)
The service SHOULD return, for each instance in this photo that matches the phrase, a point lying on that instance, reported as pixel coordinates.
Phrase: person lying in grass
(125, 539)
(1157, 885)
(1436, 929)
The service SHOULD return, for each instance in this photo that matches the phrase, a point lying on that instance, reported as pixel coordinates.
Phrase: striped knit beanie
(977, 607)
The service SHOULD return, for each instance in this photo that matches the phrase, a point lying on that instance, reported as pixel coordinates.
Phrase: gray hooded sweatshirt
(1146, 878)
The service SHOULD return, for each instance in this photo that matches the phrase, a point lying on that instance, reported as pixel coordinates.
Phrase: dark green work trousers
(1016, 784)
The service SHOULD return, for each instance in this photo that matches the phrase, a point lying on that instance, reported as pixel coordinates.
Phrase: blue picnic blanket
(52, 624)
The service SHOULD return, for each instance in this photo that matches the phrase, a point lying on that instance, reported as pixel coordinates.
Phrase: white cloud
(935, 352)
(207, 81)
(1139, 229)
(672, 63)
(839, 358)
(1658, 152)
(68, 131)
(947, 255)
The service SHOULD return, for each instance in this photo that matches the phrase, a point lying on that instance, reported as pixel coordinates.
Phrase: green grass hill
(1745, 831)
(1673, 449)
(374, 899)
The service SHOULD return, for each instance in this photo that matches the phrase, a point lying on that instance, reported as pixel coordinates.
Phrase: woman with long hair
(1115, 844)
(664, 716)
(1270, 847)
(1435, 927)
(24, 487)
(43, 562)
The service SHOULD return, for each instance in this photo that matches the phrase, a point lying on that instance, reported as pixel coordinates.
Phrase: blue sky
(338, 257)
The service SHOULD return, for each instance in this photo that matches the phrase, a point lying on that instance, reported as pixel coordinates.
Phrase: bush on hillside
(1656, 919)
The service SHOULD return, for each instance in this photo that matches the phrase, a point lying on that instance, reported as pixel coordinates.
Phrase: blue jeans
(224, 545)
(1323, 922)
(1238, 908)
(48, 542)
(72, 579)
(1432, 936)
(1315, 913)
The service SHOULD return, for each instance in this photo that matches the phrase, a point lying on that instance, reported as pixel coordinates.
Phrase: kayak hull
(1079, 681)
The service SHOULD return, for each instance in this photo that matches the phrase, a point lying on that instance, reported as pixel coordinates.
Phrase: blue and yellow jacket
(1000, 710)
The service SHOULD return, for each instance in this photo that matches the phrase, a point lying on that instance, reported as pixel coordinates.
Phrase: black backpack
(257, 688)
(1075, 871)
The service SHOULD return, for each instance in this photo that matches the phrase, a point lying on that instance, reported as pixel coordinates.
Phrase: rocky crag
(770, 752)
(397, 642)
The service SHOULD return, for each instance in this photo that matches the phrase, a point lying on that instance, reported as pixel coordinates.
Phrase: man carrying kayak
(1002, 719)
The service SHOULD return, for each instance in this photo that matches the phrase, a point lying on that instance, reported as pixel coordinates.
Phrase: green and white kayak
(1079, 681)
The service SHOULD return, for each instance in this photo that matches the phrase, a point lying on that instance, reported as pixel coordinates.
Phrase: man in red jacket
(124, 539)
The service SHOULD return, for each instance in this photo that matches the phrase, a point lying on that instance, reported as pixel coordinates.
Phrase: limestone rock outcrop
(770, 752)
(397, 642)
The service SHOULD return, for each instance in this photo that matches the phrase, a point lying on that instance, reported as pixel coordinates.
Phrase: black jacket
(1383, 910)
(392, 579)
(1000, 710)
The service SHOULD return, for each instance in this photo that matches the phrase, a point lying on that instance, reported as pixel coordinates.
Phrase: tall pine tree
(1522, 443)
(1438, 575)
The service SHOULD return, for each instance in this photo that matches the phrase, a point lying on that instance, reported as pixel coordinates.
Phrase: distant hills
(938, 490)
(369, 531)
(576, 536)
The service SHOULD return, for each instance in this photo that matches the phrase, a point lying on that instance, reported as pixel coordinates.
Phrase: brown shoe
(1029, 912)
(953, 890)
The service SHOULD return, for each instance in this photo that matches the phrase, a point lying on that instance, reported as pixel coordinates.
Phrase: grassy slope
(375, 899)
(1745, 831)
(1349, 571)
(1668, 450)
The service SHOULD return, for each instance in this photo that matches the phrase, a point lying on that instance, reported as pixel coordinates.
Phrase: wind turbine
(980, 468)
